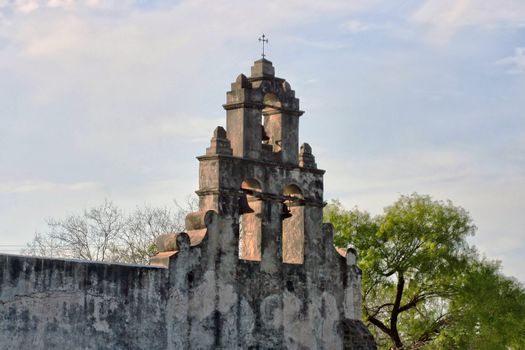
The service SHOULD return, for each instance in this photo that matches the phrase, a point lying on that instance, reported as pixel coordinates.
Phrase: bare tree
(107, 233)
(136, 243)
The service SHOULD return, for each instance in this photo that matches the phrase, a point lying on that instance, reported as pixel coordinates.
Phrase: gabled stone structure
(256, 269)
(253, 172)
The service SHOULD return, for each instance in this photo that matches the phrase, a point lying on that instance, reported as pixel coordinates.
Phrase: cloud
(318, 44)
(461, 13)
(444, 18)
(61, 3)
(26, 6)
(355, 26)
(32, 186)
(398, 171)
(188, 127)
(514, 64)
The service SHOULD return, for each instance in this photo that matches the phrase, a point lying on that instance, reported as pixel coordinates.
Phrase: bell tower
(256, 267)
(263, 116)
(256, 173)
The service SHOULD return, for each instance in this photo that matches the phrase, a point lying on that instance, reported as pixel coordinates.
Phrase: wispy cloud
(189, 127)
(514, 64)
(32, 186)
(398, 171)
(444, 18)
(26, 6)
(328, 44)
(355, 26)
(461, 13)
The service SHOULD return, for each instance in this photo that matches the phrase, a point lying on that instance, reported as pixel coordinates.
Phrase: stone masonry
(255, 269)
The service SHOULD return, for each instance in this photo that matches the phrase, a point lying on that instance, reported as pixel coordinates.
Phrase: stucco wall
(64, 304)
(207, 298)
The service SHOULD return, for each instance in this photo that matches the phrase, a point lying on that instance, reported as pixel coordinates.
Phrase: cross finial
(263, 39)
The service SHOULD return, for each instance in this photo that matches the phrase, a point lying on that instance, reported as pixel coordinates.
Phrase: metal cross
(263, 39)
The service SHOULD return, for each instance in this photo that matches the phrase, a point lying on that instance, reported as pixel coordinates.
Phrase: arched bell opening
(272, 120)
(293, 225)
(271, 103)
(250, 224)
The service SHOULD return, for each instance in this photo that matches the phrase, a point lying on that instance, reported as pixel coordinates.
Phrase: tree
(489, 312)
(107, 233)
(417, 266)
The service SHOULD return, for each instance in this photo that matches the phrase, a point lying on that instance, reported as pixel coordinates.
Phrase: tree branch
(379, 325)
(377, 309)
(395, 311)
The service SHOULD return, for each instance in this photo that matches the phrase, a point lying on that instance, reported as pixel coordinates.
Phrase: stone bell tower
(257, 267)
(255, 172)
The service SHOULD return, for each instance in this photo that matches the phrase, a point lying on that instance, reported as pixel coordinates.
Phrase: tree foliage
(417, 271)
(489, 312)
(106, 233)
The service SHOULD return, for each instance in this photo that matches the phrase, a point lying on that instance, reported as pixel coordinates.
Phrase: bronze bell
(244, 207)
(265, 138)
(286, 213)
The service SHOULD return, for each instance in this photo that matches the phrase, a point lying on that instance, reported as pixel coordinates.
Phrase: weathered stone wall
(64, 304)
(207, 298)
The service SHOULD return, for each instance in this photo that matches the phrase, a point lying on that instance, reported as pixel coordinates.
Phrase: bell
(286, 213)
(244, 207)
(265, 138)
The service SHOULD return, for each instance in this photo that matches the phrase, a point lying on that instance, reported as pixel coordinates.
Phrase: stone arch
(250, 223)
(280, 88)
(251, 185)
(293, 225)
(293, 191)
(271, 121)
(271, 102)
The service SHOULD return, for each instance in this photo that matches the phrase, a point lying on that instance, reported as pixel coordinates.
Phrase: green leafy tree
(416, 267)
(488, 310)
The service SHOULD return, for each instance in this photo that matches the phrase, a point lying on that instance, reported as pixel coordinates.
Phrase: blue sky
(114, 99)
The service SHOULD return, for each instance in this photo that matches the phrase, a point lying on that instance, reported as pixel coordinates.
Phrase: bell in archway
(244, 207)
(286, 213)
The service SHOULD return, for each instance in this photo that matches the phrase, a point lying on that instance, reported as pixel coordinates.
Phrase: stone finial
(241, 82)
(262, 68)
(351, 255)
(172, 241)
(219, 143)
(219, 133)
(167, 242)
(306, 158)
(168, 245)
(306, 148)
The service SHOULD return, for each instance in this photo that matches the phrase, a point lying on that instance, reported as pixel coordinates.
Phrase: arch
(250, 224)
(251, 185)
(293, 225)
(271, 121)
(270, 100)
(293, 191)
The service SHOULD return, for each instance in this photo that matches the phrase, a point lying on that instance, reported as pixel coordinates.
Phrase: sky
(113, 99)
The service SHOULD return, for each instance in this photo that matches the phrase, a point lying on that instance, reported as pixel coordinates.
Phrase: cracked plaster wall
(207, 298)
(65, 304)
